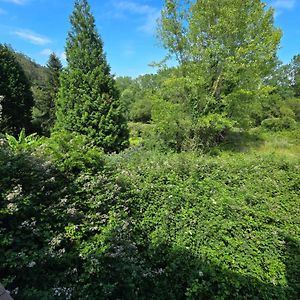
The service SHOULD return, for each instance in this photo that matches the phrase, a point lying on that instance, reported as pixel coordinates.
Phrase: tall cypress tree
(16, 99)
(88, 99)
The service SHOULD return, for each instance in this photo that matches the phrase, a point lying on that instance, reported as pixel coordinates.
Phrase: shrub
(294, 105)
(71, 152)
(278, 124)
(171, 124)
(212, 228)
(142, 221)
(23, 142)
(141, 110)
(210, 130)
(139, 133)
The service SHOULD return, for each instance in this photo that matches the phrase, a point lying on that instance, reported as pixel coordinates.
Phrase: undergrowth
(150, 225)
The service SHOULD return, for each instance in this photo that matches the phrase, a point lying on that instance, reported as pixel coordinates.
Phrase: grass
(283, 143)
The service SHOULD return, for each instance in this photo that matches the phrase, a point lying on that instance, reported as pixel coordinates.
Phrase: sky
(127, 27)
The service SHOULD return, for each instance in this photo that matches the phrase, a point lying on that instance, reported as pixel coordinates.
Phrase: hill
(36, 73)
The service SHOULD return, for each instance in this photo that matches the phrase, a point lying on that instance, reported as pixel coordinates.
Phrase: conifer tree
(16, 99)
(55, 67)
(44, 110)
(88, 99)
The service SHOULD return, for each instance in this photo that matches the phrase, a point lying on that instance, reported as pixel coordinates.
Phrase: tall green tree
(226, 47)
(88, 99)
(295, 68)
(55, 67)
(16, 99)
(45, 97)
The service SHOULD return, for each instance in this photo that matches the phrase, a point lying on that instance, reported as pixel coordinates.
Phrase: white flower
(71, 211)
(12, 207)
(31, 264)
(17, 190)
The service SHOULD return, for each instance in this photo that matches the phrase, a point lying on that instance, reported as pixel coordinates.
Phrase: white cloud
(3, 12)
(19, 2)
(148, 13)
(63, 56)
(133, 7)
(151, 22)
(281, 5)
(284, 4)
(46, 52)
(32, 37)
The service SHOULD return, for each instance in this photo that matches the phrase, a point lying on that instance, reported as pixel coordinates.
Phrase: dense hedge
(146, 225)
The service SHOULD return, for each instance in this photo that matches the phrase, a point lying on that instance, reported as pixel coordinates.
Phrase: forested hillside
(35, 73)
(181, 184)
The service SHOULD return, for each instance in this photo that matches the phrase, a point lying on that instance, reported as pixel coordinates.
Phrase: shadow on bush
(241, 141)
(292, 263)
(34, 207)
(163, 272)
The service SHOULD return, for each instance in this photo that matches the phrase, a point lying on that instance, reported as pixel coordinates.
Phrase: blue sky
(127, 27)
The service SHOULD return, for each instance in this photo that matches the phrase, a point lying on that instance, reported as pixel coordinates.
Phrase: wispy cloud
(148, 13)
(284, 4)
(18, 2)
(281, 5)
(3, 12)
(61, 54)
(46, 52)
(133, 7)
(151, 22)
(32, 37)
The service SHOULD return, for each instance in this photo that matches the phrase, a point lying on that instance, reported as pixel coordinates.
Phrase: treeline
(228, 77)
(278, 110)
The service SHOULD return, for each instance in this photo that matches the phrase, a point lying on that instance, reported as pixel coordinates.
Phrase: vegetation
(36, 74)
(295, 67)
(44, 109)
(88, 225)
(15, 96)
(204, 201)
(88, 100)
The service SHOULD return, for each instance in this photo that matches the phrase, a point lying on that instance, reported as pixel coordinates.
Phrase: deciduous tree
(295, 67)
(231, 44)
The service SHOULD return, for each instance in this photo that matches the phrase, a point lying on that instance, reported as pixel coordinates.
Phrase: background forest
(183, 184)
